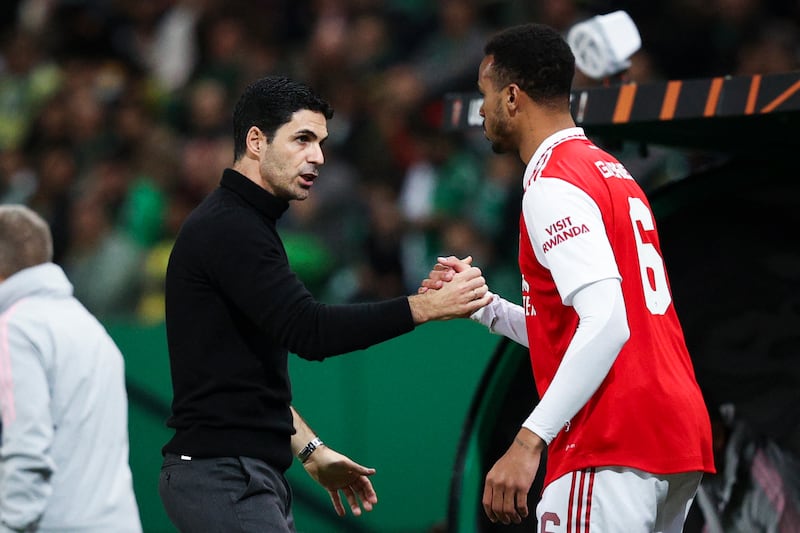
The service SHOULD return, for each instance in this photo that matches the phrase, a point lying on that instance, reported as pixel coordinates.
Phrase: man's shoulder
(219, 212)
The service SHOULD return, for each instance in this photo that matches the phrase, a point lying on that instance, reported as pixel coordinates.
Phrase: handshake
(454, 289)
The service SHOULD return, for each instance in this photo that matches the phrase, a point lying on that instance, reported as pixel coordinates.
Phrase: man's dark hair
(535, 57)
(268, 104)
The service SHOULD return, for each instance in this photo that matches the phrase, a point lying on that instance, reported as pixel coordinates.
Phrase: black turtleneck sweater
(234, 309)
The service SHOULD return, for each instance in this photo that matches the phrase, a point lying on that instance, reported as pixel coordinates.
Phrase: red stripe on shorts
(589, 499)
(571, 500)
(579, 514)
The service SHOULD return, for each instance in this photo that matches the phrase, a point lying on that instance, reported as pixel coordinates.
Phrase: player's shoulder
(582, 162)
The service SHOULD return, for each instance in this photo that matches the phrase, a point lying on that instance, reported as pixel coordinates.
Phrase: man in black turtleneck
(234, 309)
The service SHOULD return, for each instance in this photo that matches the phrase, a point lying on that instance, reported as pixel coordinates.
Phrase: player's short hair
(25, 239)
(535, 57)
(269, 103)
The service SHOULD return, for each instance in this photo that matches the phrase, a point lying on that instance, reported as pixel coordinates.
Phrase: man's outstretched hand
(336, 472)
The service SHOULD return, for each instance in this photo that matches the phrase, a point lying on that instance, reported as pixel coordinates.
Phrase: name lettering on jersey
(562, 230)
(610, 169)
(527, 305)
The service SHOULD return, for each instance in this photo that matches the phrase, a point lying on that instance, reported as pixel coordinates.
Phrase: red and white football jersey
(585, 219)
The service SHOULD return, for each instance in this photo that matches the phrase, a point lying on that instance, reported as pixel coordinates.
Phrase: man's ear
(512, 96)
(255, 140)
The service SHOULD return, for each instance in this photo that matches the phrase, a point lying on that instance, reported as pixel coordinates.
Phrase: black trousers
(225, 495)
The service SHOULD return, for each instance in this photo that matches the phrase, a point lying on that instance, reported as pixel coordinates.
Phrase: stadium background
(114, 122)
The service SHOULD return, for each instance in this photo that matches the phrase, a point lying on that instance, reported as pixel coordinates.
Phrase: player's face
(289, 164)
(496, 124)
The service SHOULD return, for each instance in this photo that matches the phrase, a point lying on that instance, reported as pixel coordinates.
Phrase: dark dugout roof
(728, 114)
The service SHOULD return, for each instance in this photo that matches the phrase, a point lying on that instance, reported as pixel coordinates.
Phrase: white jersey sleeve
(568, 235)
(504, 318)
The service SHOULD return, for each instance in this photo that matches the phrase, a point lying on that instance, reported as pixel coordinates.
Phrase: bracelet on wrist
(308, 449)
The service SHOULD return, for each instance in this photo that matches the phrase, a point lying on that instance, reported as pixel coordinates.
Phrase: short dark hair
(269, 103)
(25, 239)
(535, 57)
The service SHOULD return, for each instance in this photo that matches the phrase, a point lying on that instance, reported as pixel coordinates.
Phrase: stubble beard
(499, 140)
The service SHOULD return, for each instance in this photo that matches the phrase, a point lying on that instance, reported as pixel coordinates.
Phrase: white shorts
(615, 499)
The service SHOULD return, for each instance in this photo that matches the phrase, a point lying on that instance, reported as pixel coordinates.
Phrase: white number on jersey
(656, 291)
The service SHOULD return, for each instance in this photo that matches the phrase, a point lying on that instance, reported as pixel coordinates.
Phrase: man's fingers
(361, 470)
(487, 502)
(432, 283)
(510, 507)
(355, 508)
(522, 503)
(497, 505)
(459, 265)
(468, 274)
(365, 491)
(337, 502)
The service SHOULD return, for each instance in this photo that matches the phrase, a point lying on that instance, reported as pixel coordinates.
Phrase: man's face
(496, 122)
(289, 164)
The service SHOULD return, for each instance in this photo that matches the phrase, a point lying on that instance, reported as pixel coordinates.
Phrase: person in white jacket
(64, 439)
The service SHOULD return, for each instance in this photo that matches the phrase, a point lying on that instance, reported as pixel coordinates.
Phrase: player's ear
(511, 98)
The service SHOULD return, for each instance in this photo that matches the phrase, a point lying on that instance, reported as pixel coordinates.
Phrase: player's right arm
(500, 316)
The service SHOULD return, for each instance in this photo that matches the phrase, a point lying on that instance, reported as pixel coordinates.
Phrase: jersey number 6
(651, 264)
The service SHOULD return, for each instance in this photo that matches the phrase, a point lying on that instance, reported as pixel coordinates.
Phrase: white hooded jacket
(64, 439)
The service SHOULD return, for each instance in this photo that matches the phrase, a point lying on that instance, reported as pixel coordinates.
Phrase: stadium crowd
(115, 121)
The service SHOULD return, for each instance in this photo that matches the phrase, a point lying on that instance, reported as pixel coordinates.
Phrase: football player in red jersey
(621, 414)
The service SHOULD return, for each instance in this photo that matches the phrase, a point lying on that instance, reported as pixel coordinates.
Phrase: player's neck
(540, 125)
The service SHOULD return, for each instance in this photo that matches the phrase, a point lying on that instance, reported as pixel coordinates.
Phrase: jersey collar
(542, 154)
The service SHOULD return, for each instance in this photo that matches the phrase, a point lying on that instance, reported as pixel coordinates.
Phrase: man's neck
(540, 125)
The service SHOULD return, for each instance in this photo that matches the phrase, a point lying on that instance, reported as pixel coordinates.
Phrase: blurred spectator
(560, 14)
(153, 163)
(775, 48)
(102, 263)
(370, 47)
(223, 48)
(757, 485)
(440, 187)
(83, 82)
(17, 178)
(56, 174)
(50, 126)
(150, 306)
(379, 270)
(27, 79)
(174, 53)
(445, 60)
(497, 203)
